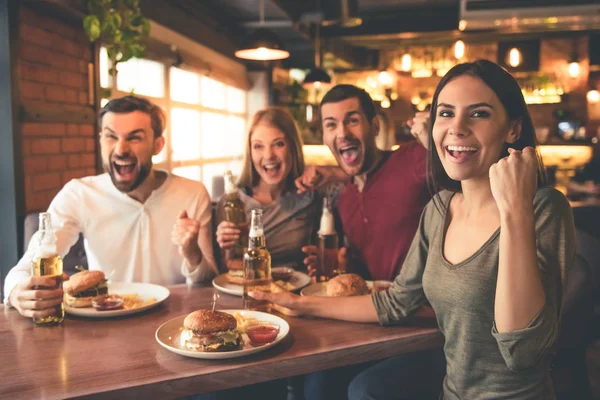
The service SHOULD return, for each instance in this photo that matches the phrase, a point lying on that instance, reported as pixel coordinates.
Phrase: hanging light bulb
(385, 78)
(406, 63)
(262, 44)
(514, 57)
(574, 69)
(593, 96)
(459, 49)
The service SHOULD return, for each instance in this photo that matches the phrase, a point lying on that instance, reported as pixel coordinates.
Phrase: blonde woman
(273, 160)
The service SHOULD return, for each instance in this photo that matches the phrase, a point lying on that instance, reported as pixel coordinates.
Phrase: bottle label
(327, 226)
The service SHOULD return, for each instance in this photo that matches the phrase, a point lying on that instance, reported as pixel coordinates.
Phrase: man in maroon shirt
(380, 207)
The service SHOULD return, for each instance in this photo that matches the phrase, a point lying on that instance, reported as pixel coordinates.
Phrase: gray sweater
(482, 363)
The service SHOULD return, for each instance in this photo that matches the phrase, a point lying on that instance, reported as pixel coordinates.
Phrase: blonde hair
(281, 119)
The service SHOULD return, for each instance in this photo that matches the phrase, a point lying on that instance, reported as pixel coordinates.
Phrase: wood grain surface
(119, 358)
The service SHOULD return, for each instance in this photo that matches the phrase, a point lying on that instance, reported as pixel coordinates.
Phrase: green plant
(120, 26)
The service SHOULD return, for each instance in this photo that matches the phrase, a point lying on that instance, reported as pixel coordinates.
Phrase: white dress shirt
(128, 240)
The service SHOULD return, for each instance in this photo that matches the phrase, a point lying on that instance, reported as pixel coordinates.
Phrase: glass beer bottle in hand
(234, 212)
(257, 265)
(47, 262)
(327, 241)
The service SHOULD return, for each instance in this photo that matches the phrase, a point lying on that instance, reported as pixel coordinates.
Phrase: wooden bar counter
(119, 358)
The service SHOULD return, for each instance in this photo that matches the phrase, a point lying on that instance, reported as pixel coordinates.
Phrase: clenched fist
(185, 235)
(513, 180)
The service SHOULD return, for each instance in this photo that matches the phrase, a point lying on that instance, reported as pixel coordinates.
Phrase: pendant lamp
(317, 77)
(262, 44)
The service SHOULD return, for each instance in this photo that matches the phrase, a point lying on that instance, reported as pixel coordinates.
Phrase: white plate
(320, 289)
(168, 336)
(298, 280)
(144, 290)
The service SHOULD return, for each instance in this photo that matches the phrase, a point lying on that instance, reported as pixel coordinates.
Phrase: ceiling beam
(410, 20)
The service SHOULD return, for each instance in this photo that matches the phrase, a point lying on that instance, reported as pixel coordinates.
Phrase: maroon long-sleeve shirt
(380, 222)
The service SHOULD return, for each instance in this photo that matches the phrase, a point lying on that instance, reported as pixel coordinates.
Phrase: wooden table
(119, 358)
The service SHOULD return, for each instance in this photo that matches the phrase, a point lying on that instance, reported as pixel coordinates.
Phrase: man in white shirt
(139, 224)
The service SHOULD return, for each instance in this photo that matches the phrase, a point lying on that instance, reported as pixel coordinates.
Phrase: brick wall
(53, 75)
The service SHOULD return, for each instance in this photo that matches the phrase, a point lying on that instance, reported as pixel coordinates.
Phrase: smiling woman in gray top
(273, 160)
(492, 251)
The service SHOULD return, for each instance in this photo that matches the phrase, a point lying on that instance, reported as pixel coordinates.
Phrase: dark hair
(343, 92)
(127, 104)
(508, 91)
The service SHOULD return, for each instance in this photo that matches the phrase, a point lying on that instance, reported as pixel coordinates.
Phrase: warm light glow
(394, 96)
(514, 57)
(262, 53)
(441, 72)
(406, 62)
(297, 75)
(574, 69)
(309, 113)
(462, 25)
(395, 147)
(593, 96)
(385, 103)
(459, 49)
(565, 156)
(421, 106)
(422, 73)
(415, 100)
(385, 78)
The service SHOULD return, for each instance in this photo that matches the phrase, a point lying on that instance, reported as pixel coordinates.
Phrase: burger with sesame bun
(210, 331)
(83, 286)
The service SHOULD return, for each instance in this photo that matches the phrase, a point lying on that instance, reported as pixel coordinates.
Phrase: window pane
(213, 135)
(209, 171)
(185, 134)
(236, 100)
(236, 167)
(192, 172)
(236, 136)
(104, 67)
(213, 93)
(185, 86)
(143, 77)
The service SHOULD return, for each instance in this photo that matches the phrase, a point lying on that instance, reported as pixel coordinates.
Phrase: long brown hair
(508, 91)
(281, 119)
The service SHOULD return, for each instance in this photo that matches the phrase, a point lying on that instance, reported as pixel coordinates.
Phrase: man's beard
(143, 171)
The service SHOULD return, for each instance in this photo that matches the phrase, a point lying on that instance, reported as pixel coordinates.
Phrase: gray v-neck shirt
(481, 362)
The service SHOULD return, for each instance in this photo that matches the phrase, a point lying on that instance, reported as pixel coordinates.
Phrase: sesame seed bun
(83, 281)
(347, 285)
(208, 321)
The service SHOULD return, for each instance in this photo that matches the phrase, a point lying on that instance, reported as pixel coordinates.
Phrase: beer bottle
(257, 265)
(327, 244)
(47, 262)
(234, 212)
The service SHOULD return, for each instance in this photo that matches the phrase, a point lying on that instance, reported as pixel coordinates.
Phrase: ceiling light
(262, 44)
(514, 57)
(317, 78)
(459, 49)
(593, 96)
(385, 78)
(406, 63)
